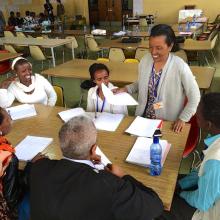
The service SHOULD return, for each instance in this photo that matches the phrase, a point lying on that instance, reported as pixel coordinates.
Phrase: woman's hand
(119, 90)
(178, 125)
(6, 83)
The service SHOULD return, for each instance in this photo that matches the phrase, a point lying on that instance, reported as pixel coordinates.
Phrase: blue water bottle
(155, 157)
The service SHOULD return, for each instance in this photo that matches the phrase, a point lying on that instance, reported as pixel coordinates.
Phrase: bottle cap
(156, 140)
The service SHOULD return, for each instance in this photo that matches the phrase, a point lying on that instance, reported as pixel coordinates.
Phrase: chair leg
(213, 57)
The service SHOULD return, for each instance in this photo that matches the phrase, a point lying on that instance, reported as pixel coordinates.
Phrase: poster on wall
(137, 7)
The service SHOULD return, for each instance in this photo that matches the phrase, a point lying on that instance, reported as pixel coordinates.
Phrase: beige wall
(168, 9)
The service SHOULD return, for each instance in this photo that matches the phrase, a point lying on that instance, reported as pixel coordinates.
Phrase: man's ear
(93, 149)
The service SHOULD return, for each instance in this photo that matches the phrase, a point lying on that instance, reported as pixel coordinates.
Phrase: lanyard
(97, 103)
(155, 81)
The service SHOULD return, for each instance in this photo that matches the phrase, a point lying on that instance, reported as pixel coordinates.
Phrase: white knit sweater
(176, 84)
(43, 93)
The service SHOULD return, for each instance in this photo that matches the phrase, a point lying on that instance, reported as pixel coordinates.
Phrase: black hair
(12, 13)
(95, 67)
(27, 13)
(20, 62)
(211, 108)
(1, 115)
(167, 31)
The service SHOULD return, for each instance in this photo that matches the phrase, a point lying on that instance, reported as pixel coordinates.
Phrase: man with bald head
(72, 188)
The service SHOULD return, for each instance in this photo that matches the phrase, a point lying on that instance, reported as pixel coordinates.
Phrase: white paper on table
(140, 153)
(118, 99)
(143, 127)
(22, 111)
(68, 114)
(106, 121)
(104, 159)
(29, 147)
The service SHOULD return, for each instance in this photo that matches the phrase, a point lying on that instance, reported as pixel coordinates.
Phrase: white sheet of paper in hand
(22, 111)
(68, 114)
(143, 127)
(118, 99)
(29, 147)
(104, 159)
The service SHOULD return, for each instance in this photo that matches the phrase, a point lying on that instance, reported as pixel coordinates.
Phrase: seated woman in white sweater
(96, 101)
(25, 87)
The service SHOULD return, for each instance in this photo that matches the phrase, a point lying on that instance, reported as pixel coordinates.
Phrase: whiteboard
(137, 7)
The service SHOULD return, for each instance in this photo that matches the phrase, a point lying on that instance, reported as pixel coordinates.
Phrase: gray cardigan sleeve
(133, 88)
(192, 92)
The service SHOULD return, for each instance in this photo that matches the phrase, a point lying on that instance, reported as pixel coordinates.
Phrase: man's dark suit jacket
(66, 190)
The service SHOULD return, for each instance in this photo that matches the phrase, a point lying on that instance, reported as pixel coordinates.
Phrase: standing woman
(60, 10)
(26, 87)
(166, 86)
(49, 8)
(96, 101)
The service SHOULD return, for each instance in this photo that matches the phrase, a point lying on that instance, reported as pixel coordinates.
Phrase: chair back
(143, 22)
(36, 53)
(8, 34)
(181, 54)
(60, 96)
(193, 138)
(20, 34)
(92, 44)
(10, 48)
(75, 44)
(140, 52)
(103, 60)
(213, 41)
(116, 54)
(131, 61)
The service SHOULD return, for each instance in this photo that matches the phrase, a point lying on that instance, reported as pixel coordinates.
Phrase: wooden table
(115, 145)
(117, 43)
(8, 56)
(121, 72)
(46, 43)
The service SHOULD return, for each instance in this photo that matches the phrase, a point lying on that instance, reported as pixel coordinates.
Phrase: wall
(168, 10)
(38, 6)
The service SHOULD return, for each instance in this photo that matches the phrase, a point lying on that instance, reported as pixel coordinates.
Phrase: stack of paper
(21, 111)
(120, 33)
(98, 32)
(143, 127)
(68, 114)
(140, 153)
(107, 121)
(118, 99)
(27, 149)
(104, 160)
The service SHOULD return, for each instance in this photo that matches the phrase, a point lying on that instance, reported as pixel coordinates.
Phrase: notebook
(140, 152)
(21, 111)
(144, 127)
(30, 146)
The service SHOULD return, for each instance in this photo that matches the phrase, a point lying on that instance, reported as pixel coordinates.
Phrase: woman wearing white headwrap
(25, 87)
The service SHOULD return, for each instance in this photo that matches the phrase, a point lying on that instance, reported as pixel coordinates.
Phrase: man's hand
(114, 169)
(39, 156)
(95, 158)
(178, 125)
